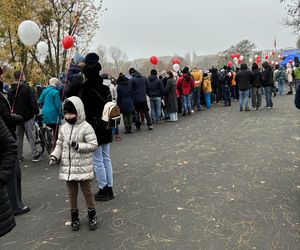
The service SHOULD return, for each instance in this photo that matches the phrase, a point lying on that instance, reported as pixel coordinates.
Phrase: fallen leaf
(180, 208)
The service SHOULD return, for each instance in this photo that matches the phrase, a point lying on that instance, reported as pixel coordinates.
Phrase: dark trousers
(142, 107)
(127, 119)
(14, 189)
(227, 100)
(216, 93)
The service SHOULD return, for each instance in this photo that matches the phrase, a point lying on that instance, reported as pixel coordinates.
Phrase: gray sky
(142, 28)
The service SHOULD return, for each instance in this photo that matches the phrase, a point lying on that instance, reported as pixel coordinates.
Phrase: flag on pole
(275, 43)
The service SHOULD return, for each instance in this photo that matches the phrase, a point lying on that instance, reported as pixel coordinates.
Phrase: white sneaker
(192, 111)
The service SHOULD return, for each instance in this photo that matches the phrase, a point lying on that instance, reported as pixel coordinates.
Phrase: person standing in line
(75, 145)
(198, 78)
(125, 101)
(8, 152)
(171, 98)
(94, 96)
(256, 87)
(155, 91)
(290, 78)
(280, 77)
(23, 102)
(227, 86)
(215, 83)
(14, 186)
(297, 75)
(207, 90)
(267, 83)
(139, 88)
(243, 79)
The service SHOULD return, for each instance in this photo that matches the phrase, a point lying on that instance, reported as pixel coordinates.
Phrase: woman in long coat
(171, 99)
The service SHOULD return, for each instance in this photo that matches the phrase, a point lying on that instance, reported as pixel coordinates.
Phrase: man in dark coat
(94, 96)
(155, 91)
(215, 83)
(139, 86)
(14, 182)
(256, 87)
(8, 152)
(23, 102)
(267, 83)
(243, 79)
(125, 101)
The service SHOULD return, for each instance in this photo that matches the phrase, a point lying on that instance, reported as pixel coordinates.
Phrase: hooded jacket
(76, 164)
(25, 103)
(184, 86)
(243, 79)
(51, 104)
(289, 72)
(207, 85)
(280, 74)
(8, 153)
(139, 85)
(198, 77)
(267, 75)
(155, 87)
(256, 78)
(125, 95)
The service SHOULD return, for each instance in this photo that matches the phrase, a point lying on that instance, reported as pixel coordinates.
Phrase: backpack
(111, 115)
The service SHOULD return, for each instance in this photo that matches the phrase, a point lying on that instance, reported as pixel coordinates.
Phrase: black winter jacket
(243, 79)
(10, 120)
(125, 95)
(8, 153)
(139, 84)
(267, 76)
(94, 105)
(25, 103)
(256, 78)
(155, 87)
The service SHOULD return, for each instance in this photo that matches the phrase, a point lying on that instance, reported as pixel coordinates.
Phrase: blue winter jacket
(50, 101)
(125, 95)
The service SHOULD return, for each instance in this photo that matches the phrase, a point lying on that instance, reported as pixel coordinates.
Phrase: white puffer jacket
(76, 165)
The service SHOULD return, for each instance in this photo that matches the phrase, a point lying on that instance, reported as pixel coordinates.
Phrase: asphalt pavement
(219, 179)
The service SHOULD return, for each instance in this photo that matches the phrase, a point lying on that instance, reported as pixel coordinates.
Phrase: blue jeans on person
(186, 103)
(207, 100)
(281, 86)
(244, 97)
(216, 93)
(155, 103)
(268, 94)
(102, 166)
(196, 98)
(227, 100)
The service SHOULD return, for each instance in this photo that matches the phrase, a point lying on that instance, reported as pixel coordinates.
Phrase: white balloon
(235, 59)
(250, 60)
(29, 32)
(42, 48)
(256, 56)
(242, 58)
(176, 67)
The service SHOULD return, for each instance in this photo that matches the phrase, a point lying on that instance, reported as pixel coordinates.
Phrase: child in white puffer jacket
(74, 147)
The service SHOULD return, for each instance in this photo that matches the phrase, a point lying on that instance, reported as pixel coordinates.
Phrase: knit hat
(91, 58)
(186, 70)
(131, 71)
(69, 108)
(53, 81)
(78, 58)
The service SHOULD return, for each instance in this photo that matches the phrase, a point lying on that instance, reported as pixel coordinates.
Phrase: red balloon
(273, 53)
(153, 60)
(239, 61)
(257, 60)
(238, 55)
(291, 61)
(175, 60)
(68, 42)
(266, 57)
(229, 64)
(232, 56)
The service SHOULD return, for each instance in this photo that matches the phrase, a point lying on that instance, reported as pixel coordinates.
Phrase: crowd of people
(83, 141)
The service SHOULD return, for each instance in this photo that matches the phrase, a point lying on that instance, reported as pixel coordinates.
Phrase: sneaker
(21, 211)
(272, 107)
(37, 158)
(192, 111)
(150, 127)
(247, 109)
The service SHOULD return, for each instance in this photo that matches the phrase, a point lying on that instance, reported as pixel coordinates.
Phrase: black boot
(102, 195)
(75, 220)
(129, 130)
(93, 224)
(126, 130)
(110, 193)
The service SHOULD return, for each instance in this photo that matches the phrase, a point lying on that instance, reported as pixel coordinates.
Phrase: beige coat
(76, 165)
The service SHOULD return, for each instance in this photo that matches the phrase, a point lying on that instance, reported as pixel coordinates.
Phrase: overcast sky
(142, 28)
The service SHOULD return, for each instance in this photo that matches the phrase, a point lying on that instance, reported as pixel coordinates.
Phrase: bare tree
(118, 57)
(293, 14)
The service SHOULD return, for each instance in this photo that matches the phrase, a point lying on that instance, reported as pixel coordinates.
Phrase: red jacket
(185, 87)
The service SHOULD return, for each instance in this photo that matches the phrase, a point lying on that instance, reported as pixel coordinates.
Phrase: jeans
(256, 97)
(155, 103)
(186, 102)
(196, 97)
(216, 93)
(102, 166)
(281, 86)
(207, 100)
(268, 94)
(29, 129)
(244, 96)
(227, 100)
